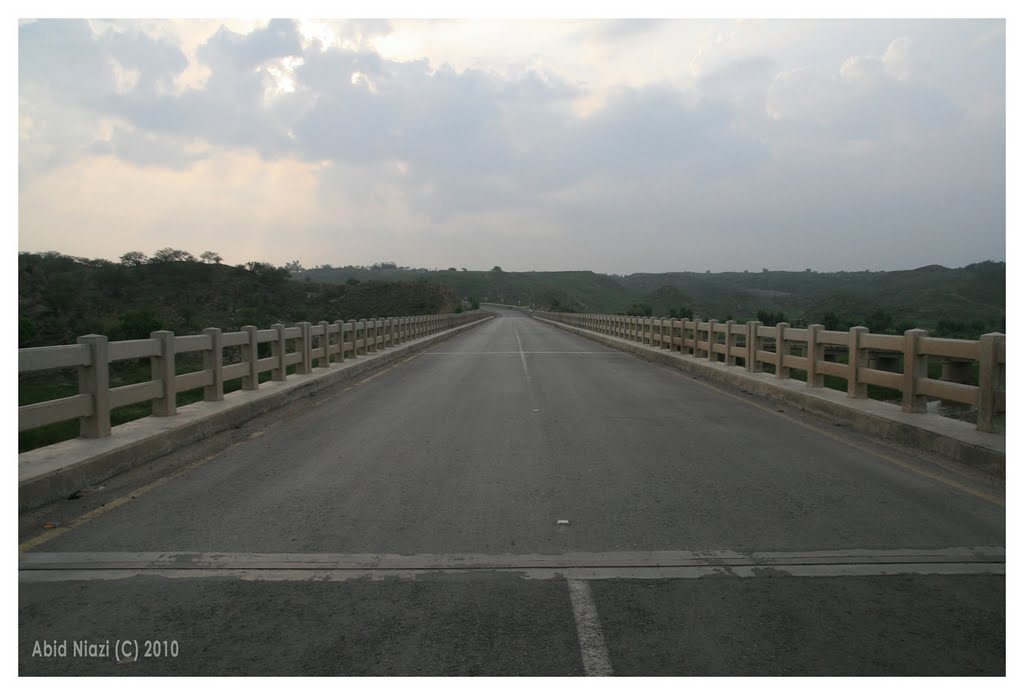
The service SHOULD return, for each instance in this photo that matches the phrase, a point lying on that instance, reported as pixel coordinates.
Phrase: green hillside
(61, 298)
(958, 302)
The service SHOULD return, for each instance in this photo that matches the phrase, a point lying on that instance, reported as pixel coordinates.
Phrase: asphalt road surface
(519, 500)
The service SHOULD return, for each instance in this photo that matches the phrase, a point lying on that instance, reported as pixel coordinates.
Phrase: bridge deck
(482, 445)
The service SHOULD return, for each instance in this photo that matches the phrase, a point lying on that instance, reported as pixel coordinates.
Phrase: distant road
(480, 446)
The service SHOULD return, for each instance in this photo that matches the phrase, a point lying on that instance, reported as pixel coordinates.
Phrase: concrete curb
(952, 439)
(54, 472)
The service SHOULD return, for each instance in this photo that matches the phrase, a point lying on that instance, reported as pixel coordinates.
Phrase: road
(411, 524)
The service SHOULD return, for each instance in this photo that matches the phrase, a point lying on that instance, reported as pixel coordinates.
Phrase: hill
(62, 297)
(956, 302)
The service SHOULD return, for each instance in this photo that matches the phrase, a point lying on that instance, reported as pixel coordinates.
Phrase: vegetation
(61, 297)
(952, 302)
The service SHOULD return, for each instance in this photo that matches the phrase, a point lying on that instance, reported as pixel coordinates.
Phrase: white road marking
(522, 355)
(588, 630)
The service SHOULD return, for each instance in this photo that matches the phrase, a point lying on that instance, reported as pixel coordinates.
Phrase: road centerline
(593, 649)
(522, 355)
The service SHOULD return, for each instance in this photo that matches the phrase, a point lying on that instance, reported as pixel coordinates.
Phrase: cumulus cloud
(227, 50)
(148, 149)
(866, 97)
(745, 144)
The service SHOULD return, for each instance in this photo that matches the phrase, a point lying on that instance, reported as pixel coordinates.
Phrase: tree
(770, 318)
(293, 267)
(497, 269)
(169, 255)
(133, 258)
(211, 257)
(832, 322)
(135, 325)
(878, 321)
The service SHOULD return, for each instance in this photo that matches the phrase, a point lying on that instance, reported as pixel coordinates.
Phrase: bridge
(513, 492)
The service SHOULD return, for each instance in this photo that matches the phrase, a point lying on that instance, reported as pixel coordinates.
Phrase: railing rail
(898, 362)
(305, 345)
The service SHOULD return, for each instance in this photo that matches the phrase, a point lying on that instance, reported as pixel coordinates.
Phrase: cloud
(227, 50)
(147, 149)
(868, 97)
(770, 136)
(158, 61)
(64, 55)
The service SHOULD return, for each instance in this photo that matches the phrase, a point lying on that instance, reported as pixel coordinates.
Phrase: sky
(617, 146)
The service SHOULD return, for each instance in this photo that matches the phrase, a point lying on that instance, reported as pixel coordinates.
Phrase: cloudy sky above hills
(617, 146)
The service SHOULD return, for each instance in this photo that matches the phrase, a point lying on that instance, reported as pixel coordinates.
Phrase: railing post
(341, 340)
(325, 342)
(815, 355)
(305, 365)
(990, 379)
(753, 345)
(278, 349)
(250, 355)
(712, 357)
(730, 344)
(213, 359)
(94, 381)
(389, 332)
(161, 368)
(781, 350)
(915, 367)
(857, 358)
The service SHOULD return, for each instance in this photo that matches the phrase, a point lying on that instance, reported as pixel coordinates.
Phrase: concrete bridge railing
(300, 345)
(897, 362)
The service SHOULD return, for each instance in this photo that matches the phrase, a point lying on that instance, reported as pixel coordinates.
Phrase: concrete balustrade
(898, 362)
(308, 346)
